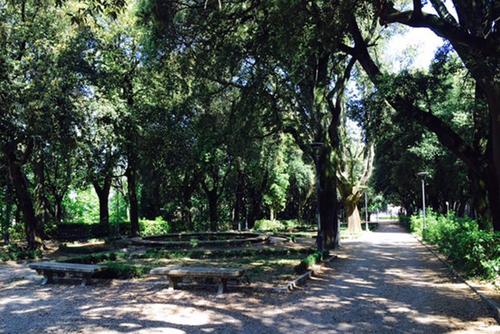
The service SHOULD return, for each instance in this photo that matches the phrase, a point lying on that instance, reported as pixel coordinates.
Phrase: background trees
(206, 115)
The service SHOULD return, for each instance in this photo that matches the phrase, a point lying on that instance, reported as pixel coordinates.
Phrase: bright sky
(415, 48)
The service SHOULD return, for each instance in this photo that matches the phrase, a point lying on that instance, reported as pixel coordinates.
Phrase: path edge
(302, 279)
(491, 305)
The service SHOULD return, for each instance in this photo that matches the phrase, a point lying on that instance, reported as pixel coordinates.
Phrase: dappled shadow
(384, 282)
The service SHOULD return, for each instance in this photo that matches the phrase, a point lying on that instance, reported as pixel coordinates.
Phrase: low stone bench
(49, 269)
(221, 275)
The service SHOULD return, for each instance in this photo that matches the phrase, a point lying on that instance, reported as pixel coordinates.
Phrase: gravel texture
(384, 282)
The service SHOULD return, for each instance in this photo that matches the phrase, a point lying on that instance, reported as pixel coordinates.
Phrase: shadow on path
(385, 282)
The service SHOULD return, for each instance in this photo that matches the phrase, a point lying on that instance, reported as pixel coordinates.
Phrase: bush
(310, 261)
(14, 252)
(265, 225)
(153, 227)
(268, 225)
(95, 258)
(123, 271)
(471, 250)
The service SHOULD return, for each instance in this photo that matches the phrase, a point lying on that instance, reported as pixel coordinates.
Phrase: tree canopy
(215, 114)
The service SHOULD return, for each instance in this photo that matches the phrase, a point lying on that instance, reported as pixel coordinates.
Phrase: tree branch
(440, 26)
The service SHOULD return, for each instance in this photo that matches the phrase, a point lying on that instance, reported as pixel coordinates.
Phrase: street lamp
(422, 177)
(366, 209)
(317, 148)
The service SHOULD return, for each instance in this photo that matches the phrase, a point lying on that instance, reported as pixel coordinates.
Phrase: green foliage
(474, 251)
(275, 197)
(81, 207)
(154, 227)
(123, 271)
(268, 225)
(264, 225)
(309, 261)
(95, 258)
(14, 252)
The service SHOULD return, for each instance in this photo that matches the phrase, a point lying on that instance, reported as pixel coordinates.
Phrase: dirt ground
(384, 282)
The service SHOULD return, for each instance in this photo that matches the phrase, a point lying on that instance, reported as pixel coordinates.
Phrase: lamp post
(366, 209)
(316, 148)
(447, 208)
(422, 177)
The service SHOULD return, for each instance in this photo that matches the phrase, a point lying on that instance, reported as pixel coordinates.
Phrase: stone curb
(492, 306)
(300, 281)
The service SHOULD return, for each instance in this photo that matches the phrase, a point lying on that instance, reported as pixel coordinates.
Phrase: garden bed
(208, 239)
(274, 266)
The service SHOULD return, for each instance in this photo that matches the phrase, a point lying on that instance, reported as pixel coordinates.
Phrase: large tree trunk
(24, 200)
(132, 198)
(353, 217)
(328, 205)
(493, 98)
(103, 195)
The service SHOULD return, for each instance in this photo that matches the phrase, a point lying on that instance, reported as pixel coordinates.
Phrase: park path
(384, 282)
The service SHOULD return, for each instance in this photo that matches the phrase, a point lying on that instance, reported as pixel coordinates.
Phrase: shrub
(291, 224)
(17, 232)
(95, 258)
(471, 250)
(310, 261)
(14, 252)
(268, 225)
(153, 227)
(123, 271)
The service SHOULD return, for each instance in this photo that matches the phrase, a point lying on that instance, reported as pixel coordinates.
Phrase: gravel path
(385, 282)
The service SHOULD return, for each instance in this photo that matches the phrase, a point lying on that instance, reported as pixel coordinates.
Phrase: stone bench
(49, 269)
(220, 275)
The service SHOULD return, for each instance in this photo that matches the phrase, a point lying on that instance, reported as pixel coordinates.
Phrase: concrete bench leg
(86, 280)
(222, 286)
(48, 277)
(172, 282)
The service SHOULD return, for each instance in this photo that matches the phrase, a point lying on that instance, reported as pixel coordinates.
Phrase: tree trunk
(212, 209)
(132, 198)
(255, 211)
(7, 216)
(24, 200)
(238, 202)
(493, 98)
(237, 213)
(328, 206)
(103, 195)
(256, 195)
(42, 204)
(58, 210)
(187, 216)
(479, 195)
(353, 218)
